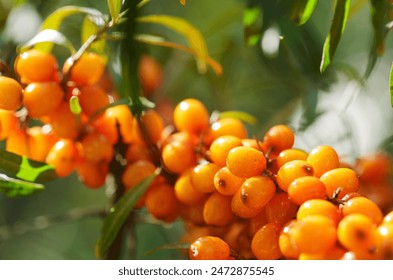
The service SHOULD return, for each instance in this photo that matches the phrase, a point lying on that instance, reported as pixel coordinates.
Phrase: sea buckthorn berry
(380, 193)
(217, 210)
(107, 123)
(323, 158)
(159, 193)
(202, 177)
(373, 168)
(40, 141)
(36, 66)
(209, 248)
(314, 234)
(334, 253)
(63, 156)
(257, 191)
(148, 128)
(279, 138)
(365, 206)
(92, 98)
(241, 210)
(289, 155)
(227, 126)
(319, 207)
(341, 180)
(280, 209)
(287, 246)
(43, 98)
(193, 213)
(255, 223)
(388, 218)
(150, 74)
(305, 188)
(264, 244)
(191, 115)
(92, 175)
(10, 94)
(253, 143)
(8, 122)
(185, 191)
(383, 240)
(137, 171)
(246, 162)
(87, 70)
(64, 122)
(292, 170)
(220, 148)
(356, 233)
(226, 183)
(138, 151)
(17, 142)
(178, 156)
(96, 148)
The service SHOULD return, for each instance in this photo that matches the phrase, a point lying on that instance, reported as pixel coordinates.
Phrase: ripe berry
(191, 115)
(246, 162)
(10, 94)
(209, 248)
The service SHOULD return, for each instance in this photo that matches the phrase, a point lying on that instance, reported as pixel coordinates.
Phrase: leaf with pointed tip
(302, 10)
(336, 30)
(12, 187)
(119, 214)
(193, 36)
(391, 84)
(44, 39)
(26, 169)
(114, 8)
(91, 28)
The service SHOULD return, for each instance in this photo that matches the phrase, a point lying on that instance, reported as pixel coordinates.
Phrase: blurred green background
(280, 84)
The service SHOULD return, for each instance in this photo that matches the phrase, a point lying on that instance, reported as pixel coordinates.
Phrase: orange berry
(319, 207)
(342, 180)
(289, 155)
(373, 168)
(64, 122)
(8, 123)
(280, 209)
(202, 177)
(246, 162)
(209, 248)
(87, 70)
(96, 148)
(178, 156)
(185, 191)
(17, 143)
(306, 188)
(292, 170)
(150, 74)
(137, 171)
(287, 246)
(383, 240)
(226, 183)
(62, 156)
(241, 210)
(279, 138)
(323, 158)
(40, 141)
(191, 115)
(92, 98)
(264, 244)
(36, 66)
(257, 191)
(148, 128)
(217, 210)
(92, 175)
(220, 148)
(137, 152)
(167, 211)
(365, 206)
(10, 94)
(41, 99)
(227, 126)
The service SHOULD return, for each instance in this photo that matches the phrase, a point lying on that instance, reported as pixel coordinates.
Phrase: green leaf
(13, 187)
(252, 22)
(26, 169)
(45, 39)
(302, 10)
(193, 36)
(391, 84)
(55, 19)
(382, 23)
(114, 8)
(75, 106)
(172, 246)
(336, 30)
(119, 214)
(243, 116)
(90, 28)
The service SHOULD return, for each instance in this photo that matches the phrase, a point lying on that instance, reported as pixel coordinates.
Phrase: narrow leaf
(55, 19)
(159, 41)
(193, 36)
(391, 84)
(13, 187)
(26, 169)
(119, 214)
(243, 116)
(90, 28)
(302, 10)
(336, 30)
(114, 8)
(380, 18)
(45, 39)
